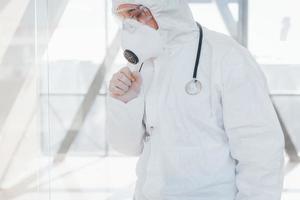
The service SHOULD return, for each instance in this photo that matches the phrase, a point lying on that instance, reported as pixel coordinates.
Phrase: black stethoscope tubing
(198, 51)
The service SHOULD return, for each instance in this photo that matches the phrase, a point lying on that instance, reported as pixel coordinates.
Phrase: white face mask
(140, 42)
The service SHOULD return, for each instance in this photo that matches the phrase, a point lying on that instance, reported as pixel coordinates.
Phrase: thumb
(137, 76)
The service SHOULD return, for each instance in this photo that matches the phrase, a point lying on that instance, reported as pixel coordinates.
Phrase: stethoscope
(194, 86)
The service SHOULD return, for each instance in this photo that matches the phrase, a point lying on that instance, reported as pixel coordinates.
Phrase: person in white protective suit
(222, 141)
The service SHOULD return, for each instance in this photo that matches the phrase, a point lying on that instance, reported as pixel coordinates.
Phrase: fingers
(124, 79)
(122, 86)
(120, 83)
(126, 71)
(115, 90)
(118, 87)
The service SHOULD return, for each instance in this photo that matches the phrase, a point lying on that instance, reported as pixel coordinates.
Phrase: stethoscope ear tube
(198, 51)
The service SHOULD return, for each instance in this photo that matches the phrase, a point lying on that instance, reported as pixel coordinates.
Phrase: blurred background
(56, 57)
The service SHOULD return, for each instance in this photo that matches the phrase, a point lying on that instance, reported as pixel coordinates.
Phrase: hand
(125, 85)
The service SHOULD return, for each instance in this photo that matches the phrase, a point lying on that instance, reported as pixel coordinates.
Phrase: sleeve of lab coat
(124, 125)
(253, 129)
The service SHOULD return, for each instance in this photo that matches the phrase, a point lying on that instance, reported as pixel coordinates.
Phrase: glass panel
(76, 48)
(208, 15)
(274, 31)
(80, 34)
(62, 109)
(22, 163)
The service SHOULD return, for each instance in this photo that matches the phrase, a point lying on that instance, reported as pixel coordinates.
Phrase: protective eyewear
(139, 13)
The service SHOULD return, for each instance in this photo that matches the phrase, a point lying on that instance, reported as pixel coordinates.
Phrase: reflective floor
(77, 179)
(110, 178)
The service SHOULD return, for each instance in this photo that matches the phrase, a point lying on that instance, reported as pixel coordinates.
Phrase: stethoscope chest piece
(193, 87)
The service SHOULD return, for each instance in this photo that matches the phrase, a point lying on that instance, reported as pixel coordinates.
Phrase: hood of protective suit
(174, 18)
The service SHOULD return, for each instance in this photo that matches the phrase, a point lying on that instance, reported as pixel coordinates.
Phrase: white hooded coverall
(225, 143)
